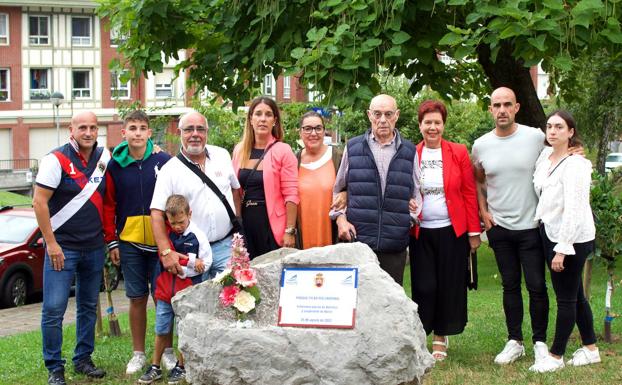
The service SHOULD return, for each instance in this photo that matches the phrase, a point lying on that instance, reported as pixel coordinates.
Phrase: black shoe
(176, 375)
(57, 378)
(152, 374)
(88, 368)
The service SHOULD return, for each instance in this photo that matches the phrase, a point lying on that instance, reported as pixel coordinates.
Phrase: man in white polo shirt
(208, 211)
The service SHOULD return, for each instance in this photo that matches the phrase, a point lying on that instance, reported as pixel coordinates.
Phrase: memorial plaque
(318, 297)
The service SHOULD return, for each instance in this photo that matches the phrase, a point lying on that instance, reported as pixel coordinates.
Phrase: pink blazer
(280, 183)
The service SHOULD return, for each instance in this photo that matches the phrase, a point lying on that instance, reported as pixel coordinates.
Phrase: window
(268, 85)
(287, 87)
(40, 84)
(4, 29)
(164, 84)
(80, 30)
(39, 30)
(4, 85)
(116, 37)
(81, 84)
(118, 89)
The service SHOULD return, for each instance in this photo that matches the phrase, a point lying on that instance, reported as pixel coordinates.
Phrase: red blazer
(459, 186)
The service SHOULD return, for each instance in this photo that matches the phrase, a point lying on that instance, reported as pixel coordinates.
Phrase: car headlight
(1, 260)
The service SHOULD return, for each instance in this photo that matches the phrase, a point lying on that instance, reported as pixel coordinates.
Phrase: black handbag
(235, 221)
(472, 271)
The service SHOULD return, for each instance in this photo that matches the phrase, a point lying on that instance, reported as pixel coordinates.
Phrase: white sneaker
(136, 363)
(584, 356)
(547, 364)
(169, 359)
(510, 353)
(540, 351)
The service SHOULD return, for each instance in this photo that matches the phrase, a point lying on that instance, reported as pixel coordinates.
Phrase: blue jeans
(140, 269)
(86, 266)
(164, 319)
(221, 252)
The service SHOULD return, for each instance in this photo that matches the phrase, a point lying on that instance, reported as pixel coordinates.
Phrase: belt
(252, 202)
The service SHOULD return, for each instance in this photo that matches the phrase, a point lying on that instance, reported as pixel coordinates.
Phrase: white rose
(220, 276)
(244, 301)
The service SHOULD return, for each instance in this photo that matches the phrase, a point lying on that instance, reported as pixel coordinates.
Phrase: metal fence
(19, 164)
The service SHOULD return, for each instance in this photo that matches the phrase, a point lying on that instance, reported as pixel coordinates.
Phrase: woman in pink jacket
(268, 172)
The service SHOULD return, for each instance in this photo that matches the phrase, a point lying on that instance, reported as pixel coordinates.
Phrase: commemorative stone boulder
(387, 345)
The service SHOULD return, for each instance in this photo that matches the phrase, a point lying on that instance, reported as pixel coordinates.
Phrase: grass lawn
(470, 354)
(11, 199)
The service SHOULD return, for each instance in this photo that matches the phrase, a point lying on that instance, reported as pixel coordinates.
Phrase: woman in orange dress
(317, 167)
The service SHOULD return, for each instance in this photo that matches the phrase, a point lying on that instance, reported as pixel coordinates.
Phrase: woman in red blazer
(268, 172)
(449, 229)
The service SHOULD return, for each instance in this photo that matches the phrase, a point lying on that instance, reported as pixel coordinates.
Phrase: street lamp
(57, 99)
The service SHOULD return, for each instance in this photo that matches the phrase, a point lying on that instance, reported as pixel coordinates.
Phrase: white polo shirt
(208, 212)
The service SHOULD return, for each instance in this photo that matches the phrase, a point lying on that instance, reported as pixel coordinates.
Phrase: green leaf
(400, 38)
(297, 53)
(538, 42)
(553, 4)
(457, 2)
(315, 35)
(370, 44)
(343, 77)
(330, 3)
(473, 17)
(613, 36)
(514, 29)
(450, 39)
(393, 52)
(563, 62)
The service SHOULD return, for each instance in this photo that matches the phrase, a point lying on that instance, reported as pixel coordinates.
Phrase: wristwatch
(165, 252)
(291, 231)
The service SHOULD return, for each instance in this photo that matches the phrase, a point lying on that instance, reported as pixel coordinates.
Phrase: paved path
(27, 318)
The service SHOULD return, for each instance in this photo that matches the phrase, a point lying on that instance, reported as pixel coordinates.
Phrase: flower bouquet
(239, 281)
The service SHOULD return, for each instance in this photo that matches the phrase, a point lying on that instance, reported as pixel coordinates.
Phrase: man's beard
(193, 149)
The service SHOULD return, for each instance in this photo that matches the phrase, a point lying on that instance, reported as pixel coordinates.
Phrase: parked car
(21, 257)
(613, 160)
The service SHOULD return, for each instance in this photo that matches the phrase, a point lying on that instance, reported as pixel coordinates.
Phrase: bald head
(83, 116)
(503, 108)
(194, 116)
(383, 115)
(83, 130)
(384, 100)
(504, 92)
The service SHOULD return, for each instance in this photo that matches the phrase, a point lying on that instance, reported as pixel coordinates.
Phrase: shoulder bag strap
(257, 165)
(209, 184)
(560, 162)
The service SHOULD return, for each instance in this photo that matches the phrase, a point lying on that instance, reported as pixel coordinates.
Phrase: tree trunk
(587, 278)
(509, 72)
(603, 144)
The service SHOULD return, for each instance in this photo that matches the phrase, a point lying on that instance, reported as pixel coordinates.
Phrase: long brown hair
(248, 139)
(575, 139)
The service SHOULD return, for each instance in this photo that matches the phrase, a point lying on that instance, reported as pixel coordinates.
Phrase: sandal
(440, 355)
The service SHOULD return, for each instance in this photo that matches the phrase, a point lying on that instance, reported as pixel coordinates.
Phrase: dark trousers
(438, 265)
(517, 250)
(393, 263)
(572, 306)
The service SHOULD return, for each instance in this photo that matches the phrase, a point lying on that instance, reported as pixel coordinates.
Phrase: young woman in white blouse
(567, 227)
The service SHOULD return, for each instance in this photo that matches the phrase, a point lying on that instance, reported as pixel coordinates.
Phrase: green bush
(606, 202)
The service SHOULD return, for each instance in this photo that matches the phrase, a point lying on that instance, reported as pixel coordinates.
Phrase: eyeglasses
(191, 129)
(307, 130)
(378, 114)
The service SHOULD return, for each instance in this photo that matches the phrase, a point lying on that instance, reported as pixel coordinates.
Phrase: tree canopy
(338, 47)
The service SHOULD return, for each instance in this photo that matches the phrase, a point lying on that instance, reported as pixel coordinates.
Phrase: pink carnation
(245, 277)
(227, 295)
